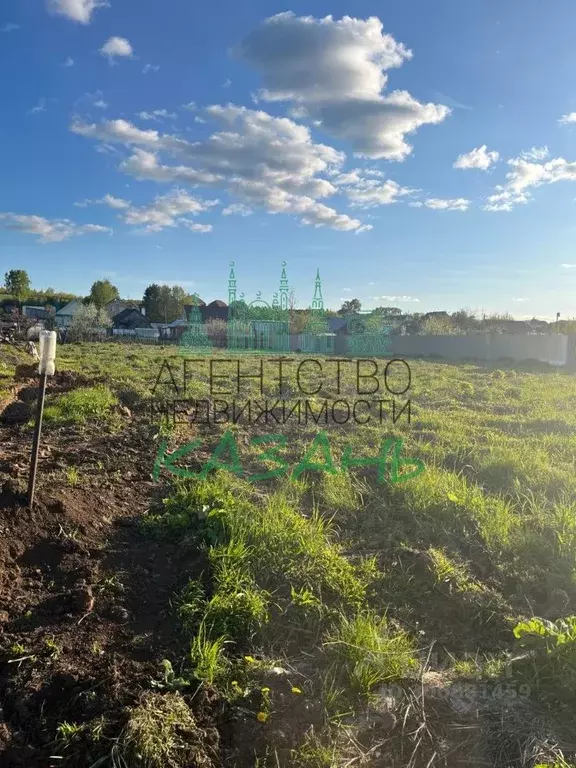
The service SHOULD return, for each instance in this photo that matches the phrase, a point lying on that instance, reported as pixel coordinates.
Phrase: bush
(89, 324)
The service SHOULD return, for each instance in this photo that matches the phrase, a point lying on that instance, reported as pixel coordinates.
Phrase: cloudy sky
(419, 153)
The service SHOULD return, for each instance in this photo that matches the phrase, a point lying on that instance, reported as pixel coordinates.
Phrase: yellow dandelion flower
(250, 659)
(296, 691)
(265, 690)
(261, 717)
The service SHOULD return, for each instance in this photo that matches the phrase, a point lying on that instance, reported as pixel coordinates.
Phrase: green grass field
(329, 602)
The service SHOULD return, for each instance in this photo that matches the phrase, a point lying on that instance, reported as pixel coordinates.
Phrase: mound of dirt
(25, 371)
(17, 412)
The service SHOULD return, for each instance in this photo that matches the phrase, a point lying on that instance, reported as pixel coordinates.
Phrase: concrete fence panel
(550, 348)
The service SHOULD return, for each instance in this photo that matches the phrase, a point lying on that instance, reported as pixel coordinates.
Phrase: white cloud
(237, 209)
(524, 176)
(115, 202)
(568, 266)
(40, 107)
(168, 211)
(536, 153)
(457, 204)
(145, 166)
(191, 106)
(47, 231)
(335, 73)
(112, 202)
(194, 227)
(150, 68)
(566, 119)
(93, 228)
(478, 158)
(10, 27)
(394, 298)
(199, 120)
(76, 10)
(120, 131)
(116, 46)
(92, 99)
(157, 114)
(520, 299)
(264, 161)
(368, 193)
(227, 83)
(69, 62)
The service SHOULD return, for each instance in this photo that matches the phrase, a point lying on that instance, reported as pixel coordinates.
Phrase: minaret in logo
(283, 288)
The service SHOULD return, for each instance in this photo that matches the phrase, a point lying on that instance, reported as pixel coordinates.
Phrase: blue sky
(327, 143)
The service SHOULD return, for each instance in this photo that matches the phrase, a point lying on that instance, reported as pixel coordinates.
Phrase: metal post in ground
(46, 367)
(36, 442)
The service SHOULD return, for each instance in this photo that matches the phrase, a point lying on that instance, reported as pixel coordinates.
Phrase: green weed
(80, 406)
(364, 651)
(206, 656)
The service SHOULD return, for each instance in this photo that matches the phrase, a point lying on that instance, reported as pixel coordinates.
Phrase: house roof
(514, 325)
(116, 306)
(131, 318)
(177, 323)
(198, 303)
(127, 312)
(71, 308)
(218, 303)
(440, 313)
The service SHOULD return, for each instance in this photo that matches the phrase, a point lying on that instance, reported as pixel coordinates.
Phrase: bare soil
(82, 592)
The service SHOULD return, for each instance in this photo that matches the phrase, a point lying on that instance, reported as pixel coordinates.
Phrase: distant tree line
(164, 304)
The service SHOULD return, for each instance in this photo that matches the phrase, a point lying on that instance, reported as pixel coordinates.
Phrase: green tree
(171, 303)
(464, 320)
(350, 307)
(438, 326)
(17, 283)
(387, 312)
(179, 299)
(102, 292)
(151, 301)
(166, 307)
(413, 323)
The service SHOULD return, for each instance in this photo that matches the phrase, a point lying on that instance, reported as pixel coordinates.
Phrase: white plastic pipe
(47, 364)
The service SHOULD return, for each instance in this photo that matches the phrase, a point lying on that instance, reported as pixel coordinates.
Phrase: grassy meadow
(347, 620)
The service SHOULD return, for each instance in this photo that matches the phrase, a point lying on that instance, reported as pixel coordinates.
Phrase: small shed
(38, 313)
(174, 330)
